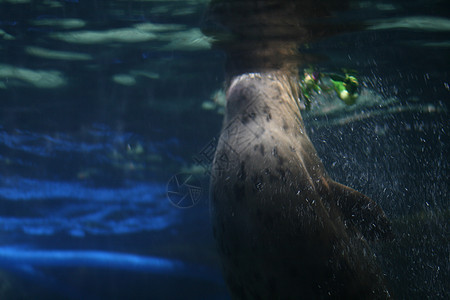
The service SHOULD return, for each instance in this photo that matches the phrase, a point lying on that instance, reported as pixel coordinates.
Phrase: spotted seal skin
(284, 228)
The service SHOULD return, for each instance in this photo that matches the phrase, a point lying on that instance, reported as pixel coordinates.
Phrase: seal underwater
(284, 228)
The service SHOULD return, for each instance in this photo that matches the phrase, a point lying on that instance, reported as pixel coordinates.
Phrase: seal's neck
(271, 95)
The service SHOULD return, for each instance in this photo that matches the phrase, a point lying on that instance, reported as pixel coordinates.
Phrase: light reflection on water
(77, 210)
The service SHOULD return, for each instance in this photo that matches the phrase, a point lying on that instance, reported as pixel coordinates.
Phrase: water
(103, 102)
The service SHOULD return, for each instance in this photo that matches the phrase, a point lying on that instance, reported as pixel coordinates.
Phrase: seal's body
(284, 229)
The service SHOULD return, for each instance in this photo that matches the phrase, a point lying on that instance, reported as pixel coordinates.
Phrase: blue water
(102, 103)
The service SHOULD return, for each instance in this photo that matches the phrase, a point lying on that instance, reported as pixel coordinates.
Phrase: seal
(284, 228)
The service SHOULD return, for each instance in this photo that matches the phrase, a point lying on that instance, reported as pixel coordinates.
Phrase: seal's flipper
(361, 211)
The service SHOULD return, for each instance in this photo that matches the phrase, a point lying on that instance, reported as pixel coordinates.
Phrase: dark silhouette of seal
(284, 228)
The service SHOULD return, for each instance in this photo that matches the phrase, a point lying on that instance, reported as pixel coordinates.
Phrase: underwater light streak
(18, 188)
(10, 257)
(78, 209)
(24, 261)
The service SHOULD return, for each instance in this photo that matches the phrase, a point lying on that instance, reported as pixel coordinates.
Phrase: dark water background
(98, 112)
